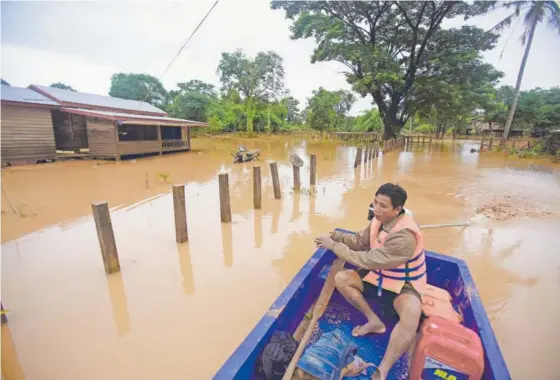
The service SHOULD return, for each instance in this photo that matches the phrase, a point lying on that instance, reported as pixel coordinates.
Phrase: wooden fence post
(181, 232)
(358, 159)
(297, 182)
(257, 198)
(106, 237)
(3, 317)
(313, 170)
(225, 206)
(275, 180)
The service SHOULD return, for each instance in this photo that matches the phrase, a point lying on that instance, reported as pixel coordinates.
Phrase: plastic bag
(276, 356)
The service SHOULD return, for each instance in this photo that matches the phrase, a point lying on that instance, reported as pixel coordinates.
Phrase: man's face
(383, 208)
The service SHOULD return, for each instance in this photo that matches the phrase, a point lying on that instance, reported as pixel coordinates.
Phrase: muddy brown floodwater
(178, 311)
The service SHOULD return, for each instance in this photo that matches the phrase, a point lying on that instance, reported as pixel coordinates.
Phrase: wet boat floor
(371, 348)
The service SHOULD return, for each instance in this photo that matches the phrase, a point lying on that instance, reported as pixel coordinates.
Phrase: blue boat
(290, 308)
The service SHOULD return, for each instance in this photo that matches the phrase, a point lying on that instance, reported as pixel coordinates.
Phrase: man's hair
(395, 192)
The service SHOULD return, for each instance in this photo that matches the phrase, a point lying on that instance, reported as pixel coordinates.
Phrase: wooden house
(108, 127)
(27, 131)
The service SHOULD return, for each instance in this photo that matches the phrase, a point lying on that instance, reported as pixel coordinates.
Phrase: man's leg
(409, 309)
(349, 284)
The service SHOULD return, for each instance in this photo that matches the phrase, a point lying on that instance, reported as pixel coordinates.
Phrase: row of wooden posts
(102, 216)
(392, 144)
(411, 140)
(371, 151)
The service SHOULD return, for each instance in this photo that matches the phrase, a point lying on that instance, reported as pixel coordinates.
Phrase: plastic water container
(446, 350)
(436, 302)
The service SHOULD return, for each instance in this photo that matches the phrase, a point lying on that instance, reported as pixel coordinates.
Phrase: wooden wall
(102, 138)
(69, 131)
(27, 134)
(138, 147)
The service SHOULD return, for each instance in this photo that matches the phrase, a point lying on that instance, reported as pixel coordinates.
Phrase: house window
(131, 132)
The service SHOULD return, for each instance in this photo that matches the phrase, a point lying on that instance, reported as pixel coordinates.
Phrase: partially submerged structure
(40, 120)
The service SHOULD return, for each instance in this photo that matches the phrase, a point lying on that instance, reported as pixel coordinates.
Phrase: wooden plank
(106, 237)
(275, 180)
(358, 159)
(179, 208)
(257, 187)
(297, 181)
(313, 169)
(225, 206)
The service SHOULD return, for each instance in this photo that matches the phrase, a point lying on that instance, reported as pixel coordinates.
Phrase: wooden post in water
(225, 206)
(106, 237)
(313, 170)
(3, 317)
(358, 159)
(275, 180)
(482, 143)
(181, 232)
(490, 143)
(297, 183)
(366, 153)
(257, 198)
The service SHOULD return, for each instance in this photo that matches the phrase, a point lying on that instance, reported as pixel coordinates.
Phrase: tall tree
(386, 46)
(328, 109)
(261, 78)
(533, 13)
(199, 86)
(62, 86)
(141, 87)
(293, 113)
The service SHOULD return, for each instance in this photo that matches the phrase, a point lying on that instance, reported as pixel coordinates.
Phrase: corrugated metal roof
(68, 96)
(24, 95)
(119, 116)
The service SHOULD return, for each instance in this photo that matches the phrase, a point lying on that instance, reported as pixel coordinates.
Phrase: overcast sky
(83, 43)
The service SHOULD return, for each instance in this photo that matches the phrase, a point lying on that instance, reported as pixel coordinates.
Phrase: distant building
(39, 120)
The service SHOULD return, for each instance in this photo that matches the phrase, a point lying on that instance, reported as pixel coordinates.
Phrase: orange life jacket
(413, 271)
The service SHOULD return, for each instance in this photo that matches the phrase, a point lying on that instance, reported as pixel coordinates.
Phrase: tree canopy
(62, 86)
(390, 47)
(327, 110)
(142, 87)
(261, 78)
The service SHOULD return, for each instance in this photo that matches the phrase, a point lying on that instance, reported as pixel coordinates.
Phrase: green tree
(192, 101)
(293, 115)
(142, 87)
(369, 121)
(258, 79)
(62, 86)
(327, 110)
(198, 86)
(533, 13)
(387, 46)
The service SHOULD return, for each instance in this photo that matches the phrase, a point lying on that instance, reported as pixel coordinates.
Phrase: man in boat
(389, 254)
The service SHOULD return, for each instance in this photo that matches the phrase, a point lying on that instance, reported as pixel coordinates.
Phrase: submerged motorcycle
(244, 155)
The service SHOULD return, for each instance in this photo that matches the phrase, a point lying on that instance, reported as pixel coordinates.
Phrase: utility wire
(184, 45)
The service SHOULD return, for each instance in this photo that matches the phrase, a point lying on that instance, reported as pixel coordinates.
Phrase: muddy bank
(164, 315)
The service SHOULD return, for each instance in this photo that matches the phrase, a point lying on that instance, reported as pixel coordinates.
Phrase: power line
(184, 45)
(190, 37)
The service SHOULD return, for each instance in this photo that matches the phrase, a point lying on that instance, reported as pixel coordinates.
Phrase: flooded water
(178, 311)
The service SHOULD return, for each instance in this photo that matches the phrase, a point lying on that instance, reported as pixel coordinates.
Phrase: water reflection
(185, 264)
(119, 303)
(227, 244)
(257, 222)
(11, 366)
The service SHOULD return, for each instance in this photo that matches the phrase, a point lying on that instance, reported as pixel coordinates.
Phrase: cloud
(84, 43)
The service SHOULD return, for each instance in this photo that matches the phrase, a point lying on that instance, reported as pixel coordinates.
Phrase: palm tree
(533, 13)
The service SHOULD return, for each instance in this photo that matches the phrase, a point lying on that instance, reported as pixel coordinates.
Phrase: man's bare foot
(378, 375)
(369, 328)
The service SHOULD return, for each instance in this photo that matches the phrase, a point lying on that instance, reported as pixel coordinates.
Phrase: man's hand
(325, 242)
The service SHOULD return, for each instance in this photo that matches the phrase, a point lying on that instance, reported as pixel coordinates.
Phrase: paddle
(318, 311)
(462, 224)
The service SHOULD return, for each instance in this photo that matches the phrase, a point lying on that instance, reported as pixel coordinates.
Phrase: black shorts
(370, 291)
